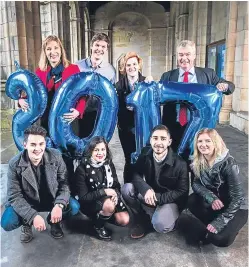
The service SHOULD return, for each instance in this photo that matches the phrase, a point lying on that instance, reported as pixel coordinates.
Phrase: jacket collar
(170, 158)
(126, 83)
(24, 162)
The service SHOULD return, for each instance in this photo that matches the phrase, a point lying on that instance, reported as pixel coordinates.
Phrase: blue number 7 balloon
(203, 101)
(24, 80)
(75, 87)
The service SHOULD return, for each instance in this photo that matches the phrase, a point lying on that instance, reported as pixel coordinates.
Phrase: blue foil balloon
(204, 102)
(145, 101)
(75, 87)
(24, 80)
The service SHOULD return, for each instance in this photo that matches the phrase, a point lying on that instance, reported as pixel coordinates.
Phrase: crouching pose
(98, 188)
(37, 182)
(218, 199)
(159, 187)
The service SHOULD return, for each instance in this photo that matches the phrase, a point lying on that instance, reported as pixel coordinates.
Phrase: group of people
(156, 187)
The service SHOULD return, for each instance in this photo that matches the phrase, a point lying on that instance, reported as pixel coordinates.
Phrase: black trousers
(128, 143)
(86, 124)
(205, 214)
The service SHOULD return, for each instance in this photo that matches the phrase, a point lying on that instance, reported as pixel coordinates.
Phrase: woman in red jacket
(55, 68)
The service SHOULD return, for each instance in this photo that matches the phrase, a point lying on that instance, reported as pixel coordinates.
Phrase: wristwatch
(61, 205)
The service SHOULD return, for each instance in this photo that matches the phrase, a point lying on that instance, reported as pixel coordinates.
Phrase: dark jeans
(128, 143)
(11, 220)
(206, 215)
(71, 177)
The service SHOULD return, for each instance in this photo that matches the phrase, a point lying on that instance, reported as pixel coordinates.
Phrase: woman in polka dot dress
(98, 187)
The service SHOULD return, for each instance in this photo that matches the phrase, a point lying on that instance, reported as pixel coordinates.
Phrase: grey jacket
(22, 186)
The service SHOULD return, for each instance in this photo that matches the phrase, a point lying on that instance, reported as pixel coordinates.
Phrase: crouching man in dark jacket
(37, 182)
(159, 187)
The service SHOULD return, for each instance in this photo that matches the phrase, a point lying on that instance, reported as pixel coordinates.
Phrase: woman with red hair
(130, 68)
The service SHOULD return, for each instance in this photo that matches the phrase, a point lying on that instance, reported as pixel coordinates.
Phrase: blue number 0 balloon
(24, 80)
(75, 87)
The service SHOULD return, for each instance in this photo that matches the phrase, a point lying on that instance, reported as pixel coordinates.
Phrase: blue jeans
(11, 220)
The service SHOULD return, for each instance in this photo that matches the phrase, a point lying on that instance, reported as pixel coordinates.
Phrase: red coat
(67, 72)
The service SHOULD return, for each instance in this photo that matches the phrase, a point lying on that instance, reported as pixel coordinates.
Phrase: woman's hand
(23, 104)
(110, 192)
(211, 229)
(70, 117)
(217, 205)
(149, 79)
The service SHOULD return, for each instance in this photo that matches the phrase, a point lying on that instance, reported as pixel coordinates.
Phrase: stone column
(201, 34)
(195, 21)
(230, 59)
(171, 48)
(55, 19)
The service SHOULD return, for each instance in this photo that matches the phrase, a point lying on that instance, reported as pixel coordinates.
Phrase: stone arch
(130, 33)
(156, 20)
(75, 33)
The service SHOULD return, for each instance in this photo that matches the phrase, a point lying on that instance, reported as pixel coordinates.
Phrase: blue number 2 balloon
(24, 80)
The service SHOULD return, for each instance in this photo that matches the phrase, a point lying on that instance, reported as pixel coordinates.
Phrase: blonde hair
(186, 43)
(43, 62)
(199, 162)
(124, 60)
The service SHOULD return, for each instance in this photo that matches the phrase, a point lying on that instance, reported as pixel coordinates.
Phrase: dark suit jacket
(204, 76)
(125, 117)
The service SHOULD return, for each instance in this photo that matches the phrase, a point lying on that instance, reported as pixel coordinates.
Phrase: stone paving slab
(79, 248)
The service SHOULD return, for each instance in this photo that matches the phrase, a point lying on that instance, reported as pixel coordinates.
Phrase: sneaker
(26, 234)
(56, 231)
(102, 233)
(137, 231)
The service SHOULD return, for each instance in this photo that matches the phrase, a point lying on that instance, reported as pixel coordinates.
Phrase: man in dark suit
(175, 115)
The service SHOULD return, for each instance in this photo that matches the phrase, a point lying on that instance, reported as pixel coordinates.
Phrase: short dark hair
(35, 130)
(160, 127)
(92, 144)
(100, 37)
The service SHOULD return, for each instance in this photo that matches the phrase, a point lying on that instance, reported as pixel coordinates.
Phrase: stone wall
(239, 116)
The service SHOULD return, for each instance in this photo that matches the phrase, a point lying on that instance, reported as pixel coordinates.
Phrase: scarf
(54, 76)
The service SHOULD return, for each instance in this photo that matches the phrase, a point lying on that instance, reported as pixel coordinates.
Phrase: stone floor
(79, 248)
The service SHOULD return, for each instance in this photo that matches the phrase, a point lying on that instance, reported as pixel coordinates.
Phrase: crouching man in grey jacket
(37, 182)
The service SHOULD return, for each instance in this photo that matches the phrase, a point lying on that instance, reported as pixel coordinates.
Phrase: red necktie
(183, 110)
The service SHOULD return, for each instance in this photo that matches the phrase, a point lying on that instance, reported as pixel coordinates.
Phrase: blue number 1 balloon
(24, 80)
(145, 101)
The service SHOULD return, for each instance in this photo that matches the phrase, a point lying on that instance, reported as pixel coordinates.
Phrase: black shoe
(56, 231)
(137, 231)
(26, 234)
(102, 233)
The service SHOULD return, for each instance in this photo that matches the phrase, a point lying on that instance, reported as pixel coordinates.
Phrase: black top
(171, 185)
(125, 117)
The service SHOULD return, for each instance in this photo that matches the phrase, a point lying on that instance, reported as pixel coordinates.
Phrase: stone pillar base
(239, 120)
